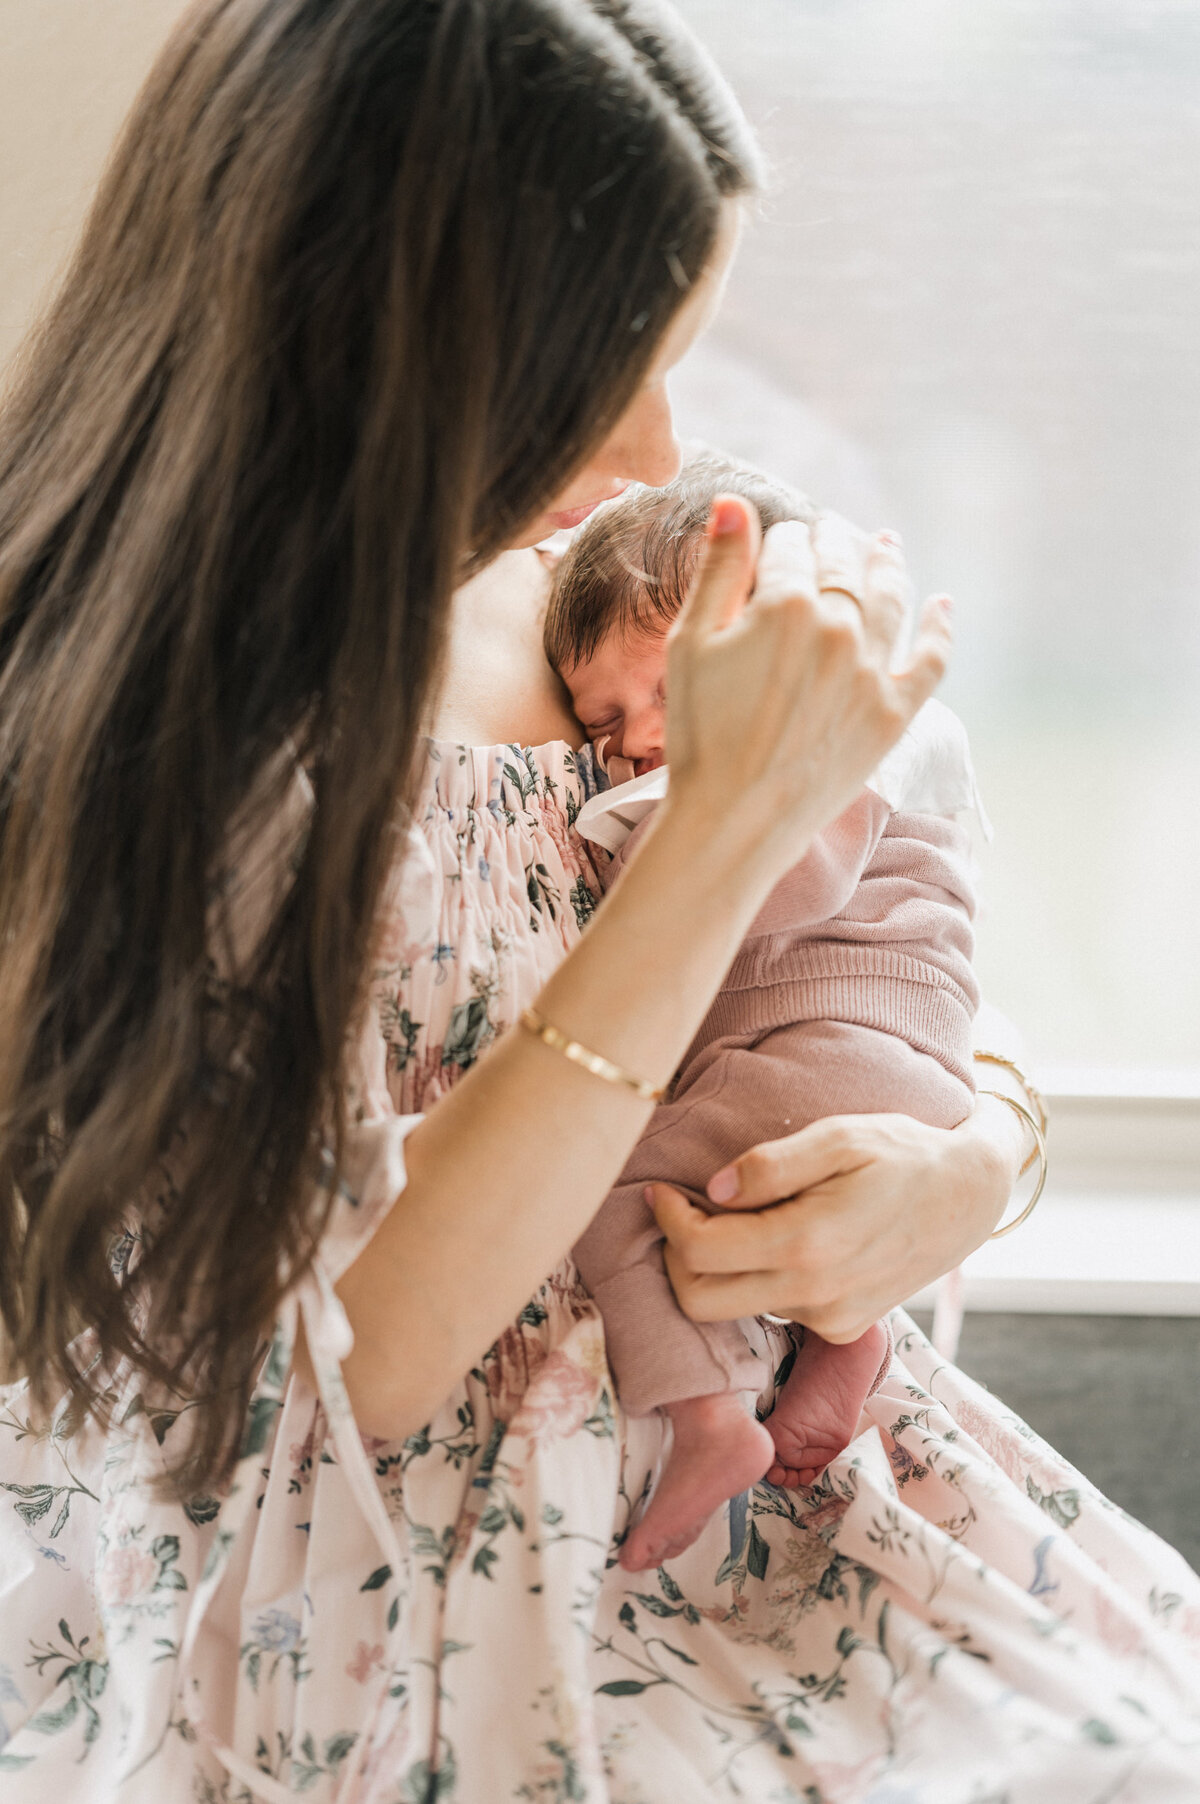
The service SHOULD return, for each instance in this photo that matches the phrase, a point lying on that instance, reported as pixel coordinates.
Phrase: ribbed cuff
(657, 1355)
(862, 986)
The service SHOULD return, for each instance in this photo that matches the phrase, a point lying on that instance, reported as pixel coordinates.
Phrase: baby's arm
(657, 1355)
(888, 993)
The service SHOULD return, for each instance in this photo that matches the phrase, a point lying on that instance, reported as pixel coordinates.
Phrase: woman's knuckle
(840, 1134)
(840, 639)
(820, 1289)
(777, 1239)
(805, 1264)
(816, 1243)
(867, 699)
(751, 1168)
(799, 608)
(682, 1280)
(790, 615)
(695, 1303)
(889, 571)
(687, 1257)
(684, 1290)
(889, 711)
(757, 1169)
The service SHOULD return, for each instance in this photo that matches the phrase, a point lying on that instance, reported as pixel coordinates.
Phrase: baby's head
(619, 587)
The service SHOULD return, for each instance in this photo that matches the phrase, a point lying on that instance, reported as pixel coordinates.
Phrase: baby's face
(620, 695)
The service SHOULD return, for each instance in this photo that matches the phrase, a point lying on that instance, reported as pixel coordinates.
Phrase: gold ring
(836, 589)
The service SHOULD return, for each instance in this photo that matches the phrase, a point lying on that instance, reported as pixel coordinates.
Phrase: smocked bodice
(495, 889)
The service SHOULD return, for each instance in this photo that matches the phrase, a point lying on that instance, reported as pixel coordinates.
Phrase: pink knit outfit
(853, 993)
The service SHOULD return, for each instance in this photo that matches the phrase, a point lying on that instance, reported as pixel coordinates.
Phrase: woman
(372, 290)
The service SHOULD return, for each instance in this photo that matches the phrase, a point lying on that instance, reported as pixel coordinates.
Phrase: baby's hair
(629, 567)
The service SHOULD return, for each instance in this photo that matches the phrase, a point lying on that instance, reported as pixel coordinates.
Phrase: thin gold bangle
(1036, 1100)
(1039, 1152)
(594, 1062)
(1033, 1094)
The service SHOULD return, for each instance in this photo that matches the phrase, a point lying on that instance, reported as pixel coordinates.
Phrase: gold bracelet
(591, 1061)
(1036, 1100)
(1039, 1152)
(1033, 1094)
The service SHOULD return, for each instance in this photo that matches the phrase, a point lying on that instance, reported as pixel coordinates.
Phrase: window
(971, 311)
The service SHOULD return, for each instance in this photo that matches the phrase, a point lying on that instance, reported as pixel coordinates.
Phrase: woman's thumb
(725, 573)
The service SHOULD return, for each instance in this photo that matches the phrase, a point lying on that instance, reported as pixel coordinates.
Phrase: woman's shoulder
(498, 687)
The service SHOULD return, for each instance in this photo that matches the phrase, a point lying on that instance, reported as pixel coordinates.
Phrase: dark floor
(1119, 1396)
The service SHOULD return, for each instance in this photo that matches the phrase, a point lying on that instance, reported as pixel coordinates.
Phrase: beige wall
(68, 72)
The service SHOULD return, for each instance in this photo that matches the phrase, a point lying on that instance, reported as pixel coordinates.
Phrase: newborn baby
(853, 993)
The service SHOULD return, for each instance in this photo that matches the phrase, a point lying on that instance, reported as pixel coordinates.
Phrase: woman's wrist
(734, 857)
(639, 984)
(992, 1144)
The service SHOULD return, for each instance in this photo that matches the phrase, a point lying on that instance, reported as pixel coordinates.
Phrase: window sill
(1118, 1229)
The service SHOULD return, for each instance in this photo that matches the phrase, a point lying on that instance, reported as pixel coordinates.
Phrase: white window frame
(1117, 1231)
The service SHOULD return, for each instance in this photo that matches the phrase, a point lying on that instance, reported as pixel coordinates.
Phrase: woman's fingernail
(725, 1186)
(945, 604)
(726, 517)
(648, 1194)
(890, 538)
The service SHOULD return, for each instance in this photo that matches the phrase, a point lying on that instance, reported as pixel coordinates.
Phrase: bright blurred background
(970, 310)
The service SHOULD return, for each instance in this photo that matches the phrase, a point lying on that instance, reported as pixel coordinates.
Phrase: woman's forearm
(507, 1170)
(988, 1149)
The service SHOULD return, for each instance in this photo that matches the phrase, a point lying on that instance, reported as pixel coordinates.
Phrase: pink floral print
(951, 1616)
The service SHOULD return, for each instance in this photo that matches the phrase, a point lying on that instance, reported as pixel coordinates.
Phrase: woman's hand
(781, 686)
(873, 1208)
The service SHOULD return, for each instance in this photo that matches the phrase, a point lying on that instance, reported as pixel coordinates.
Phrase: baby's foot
(717, 1450)
(817, 1411)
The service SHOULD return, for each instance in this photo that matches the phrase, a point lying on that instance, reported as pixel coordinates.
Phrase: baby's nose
(643, 737)
(644, 748)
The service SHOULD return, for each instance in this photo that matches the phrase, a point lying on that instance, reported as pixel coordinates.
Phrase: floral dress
(953, 1615)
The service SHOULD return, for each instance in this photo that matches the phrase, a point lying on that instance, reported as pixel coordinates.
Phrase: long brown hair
(365, 280)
